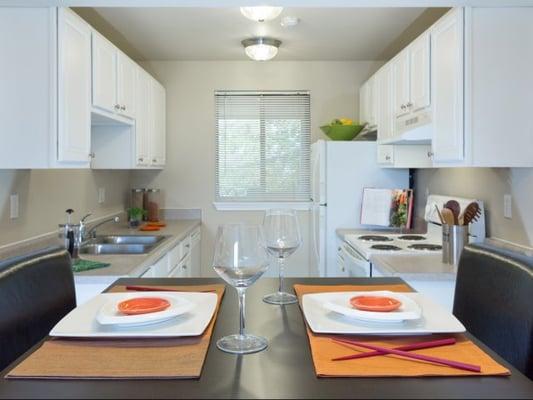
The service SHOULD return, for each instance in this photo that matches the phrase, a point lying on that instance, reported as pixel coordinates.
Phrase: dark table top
(284, 370)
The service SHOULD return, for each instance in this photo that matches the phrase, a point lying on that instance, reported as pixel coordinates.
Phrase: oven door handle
(352, 254)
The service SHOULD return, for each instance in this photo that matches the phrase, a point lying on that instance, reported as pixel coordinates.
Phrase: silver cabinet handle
(123, 108)
(141, 159)
(403, 107)
(154, 160)
(184, 266)
(387, 158)
(430, 154)
(91, 155)
(117, 106)
(409, 104)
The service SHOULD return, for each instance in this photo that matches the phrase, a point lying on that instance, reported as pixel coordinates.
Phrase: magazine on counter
(387, 207)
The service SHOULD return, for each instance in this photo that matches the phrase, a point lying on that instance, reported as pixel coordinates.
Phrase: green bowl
(342, 132)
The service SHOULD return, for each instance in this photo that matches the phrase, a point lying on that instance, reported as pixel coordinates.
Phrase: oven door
(354, 263)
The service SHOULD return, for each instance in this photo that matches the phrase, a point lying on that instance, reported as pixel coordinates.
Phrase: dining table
(284, 370)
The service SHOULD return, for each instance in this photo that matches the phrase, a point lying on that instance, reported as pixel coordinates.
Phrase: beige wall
(189, 178)
(44, 195)
(489, 185)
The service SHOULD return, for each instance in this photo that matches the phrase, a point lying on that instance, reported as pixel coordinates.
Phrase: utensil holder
(454, 238)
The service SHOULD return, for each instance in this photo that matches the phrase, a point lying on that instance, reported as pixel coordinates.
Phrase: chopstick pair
(156, 289)
(403, 351)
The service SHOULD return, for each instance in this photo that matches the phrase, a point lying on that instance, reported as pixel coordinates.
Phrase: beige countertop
(414, 268)
(134, 265)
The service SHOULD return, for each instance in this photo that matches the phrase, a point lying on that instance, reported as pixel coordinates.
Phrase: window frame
(260, 205)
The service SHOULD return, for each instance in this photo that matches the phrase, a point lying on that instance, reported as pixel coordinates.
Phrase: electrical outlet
(507, 206)
(101, 195)
(14, 206)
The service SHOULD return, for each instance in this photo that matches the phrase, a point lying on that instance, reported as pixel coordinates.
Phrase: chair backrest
(494, 300)
(36, 291)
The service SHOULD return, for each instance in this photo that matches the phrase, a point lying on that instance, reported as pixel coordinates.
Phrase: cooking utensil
(471, 213)
(440, 215)
(409, 347)
(456, 209)
(163, 289)
(436, 360)
(448, 217)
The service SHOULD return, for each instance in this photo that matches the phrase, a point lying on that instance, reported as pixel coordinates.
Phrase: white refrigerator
(340, 172)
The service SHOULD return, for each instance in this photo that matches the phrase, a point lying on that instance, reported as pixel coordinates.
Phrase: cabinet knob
(409, 104)
(154, 160)
(141, 159)
(185, 267)
(430, 154)
(91, 155)
(387, 158)
(403, 107)
(117, 106)
(123, 108)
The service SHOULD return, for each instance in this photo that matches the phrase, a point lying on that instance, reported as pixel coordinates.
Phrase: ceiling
(339, 34)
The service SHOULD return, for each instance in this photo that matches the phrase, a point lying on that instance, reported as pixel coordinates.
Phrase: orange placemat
(172, 358)
(323, 349)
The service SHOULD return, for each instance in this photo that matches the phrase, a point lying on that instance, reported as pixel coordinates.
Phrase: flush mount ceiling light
(261, 13)
(261, 49)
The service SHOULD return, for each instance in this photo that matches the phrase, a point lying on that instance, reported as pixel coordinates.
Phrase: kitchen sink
(125, 244)
(128, 239)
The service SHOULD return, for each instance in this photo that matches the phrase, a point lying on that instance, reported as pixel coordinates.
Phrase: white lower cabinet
(86, 291)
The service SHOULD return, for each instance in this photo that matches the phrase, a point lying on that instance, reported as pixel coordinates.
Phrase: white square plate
(81, 322)
(435, 319)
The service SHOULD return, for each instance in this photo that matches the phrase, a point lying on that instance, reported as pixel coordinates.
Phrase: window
(263, 146)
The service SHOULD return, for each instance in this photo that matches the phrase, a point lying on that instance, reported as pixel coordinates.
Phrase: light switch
(507, 206)
(14, 206)
(101, 195)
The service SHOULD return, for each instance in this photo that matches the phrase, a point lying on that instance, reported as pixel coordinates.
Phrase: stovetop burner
(387, 247)
(374, 238)
(412, 238)
(426, 247)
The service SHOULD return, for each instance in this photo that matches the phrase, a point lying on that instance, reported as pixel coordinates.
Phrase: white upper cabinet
(368, 103)
(104, 62)
(400, 74)
(158, 152)
(419, 74)
(385, 118)
(126, 85)
(114, 79)
(447, 82)
(74, 88)
(144, 119)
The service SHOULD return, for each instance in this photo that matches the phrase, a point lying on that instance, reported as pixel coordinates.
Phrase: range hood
(413, 129)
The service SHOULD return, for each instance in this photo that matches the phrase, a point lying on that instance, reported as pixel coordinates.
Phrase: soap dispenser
(67, 233)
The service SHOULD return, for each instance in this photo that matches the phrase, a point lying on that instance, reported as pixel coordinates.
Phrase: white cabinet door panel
(74, 88)
(143, 118)
(126, 85)
(159, 125)
(447, 81)
(104, 73)
(419, 55)
(400, 73)
(385, 118)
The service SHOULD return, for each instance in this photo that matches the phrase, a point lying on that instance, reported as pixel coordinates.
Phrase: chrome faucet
(91, 233)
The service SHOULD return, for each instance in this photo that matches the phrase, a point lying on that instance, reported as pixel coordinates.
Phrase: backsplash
(44, 195)
(489, 185)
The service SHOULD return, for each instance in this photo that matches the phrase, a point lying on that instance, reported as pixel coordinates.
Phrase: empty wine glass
(283, 238)
(240, 259)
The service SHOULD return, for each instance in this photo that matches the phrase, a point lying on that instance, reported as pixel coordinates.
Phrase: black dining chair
(494, 300)
(36, 291)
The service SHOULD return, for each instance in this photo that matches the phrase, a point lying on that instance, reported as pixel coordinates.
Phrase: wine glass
(240, 259)
(283, 238)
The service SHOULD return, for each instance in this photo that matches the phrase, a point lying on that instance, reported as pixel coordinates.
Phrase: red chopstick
(409, 347)
(436, 360)
(156, 289)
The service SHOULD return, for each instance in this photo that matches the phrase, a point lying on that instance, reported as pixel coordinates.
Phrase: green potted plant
(135, 216)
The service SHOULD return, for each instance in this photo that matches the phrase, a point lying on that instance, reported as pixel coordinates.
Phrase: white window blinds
(263, 146)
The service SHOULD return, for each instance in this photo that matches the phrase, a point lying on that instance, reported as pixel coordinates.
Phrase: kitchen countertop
(410, 268)
(133, 265)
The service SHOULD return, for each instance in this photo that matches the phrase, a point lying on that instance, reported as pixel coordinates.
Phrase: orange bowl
(375, 303)
(143, 305)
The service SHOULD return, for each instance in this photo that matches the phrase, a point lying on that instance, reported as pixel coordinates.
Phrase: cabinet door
(385, 118)
(400, 74)
(363, 117)
(104, 73)
(447, 82)
(159, 125)
(144, 118)
(372, 99)
(74, 88)
(419, 73)
(126, 85)
(385, 154)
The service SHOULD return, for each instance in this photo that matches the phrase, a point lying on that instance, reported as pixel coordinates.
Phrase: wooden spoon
(456, 209)
(447, 215)
(471, 213)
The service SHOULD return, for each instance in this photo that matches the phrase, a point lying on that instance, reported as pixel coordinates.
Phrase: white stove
(354, 254)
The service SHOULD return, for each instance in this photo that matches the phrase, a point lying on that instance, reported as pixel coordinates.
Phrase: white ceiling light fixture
(261, 13)
(261, 48)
